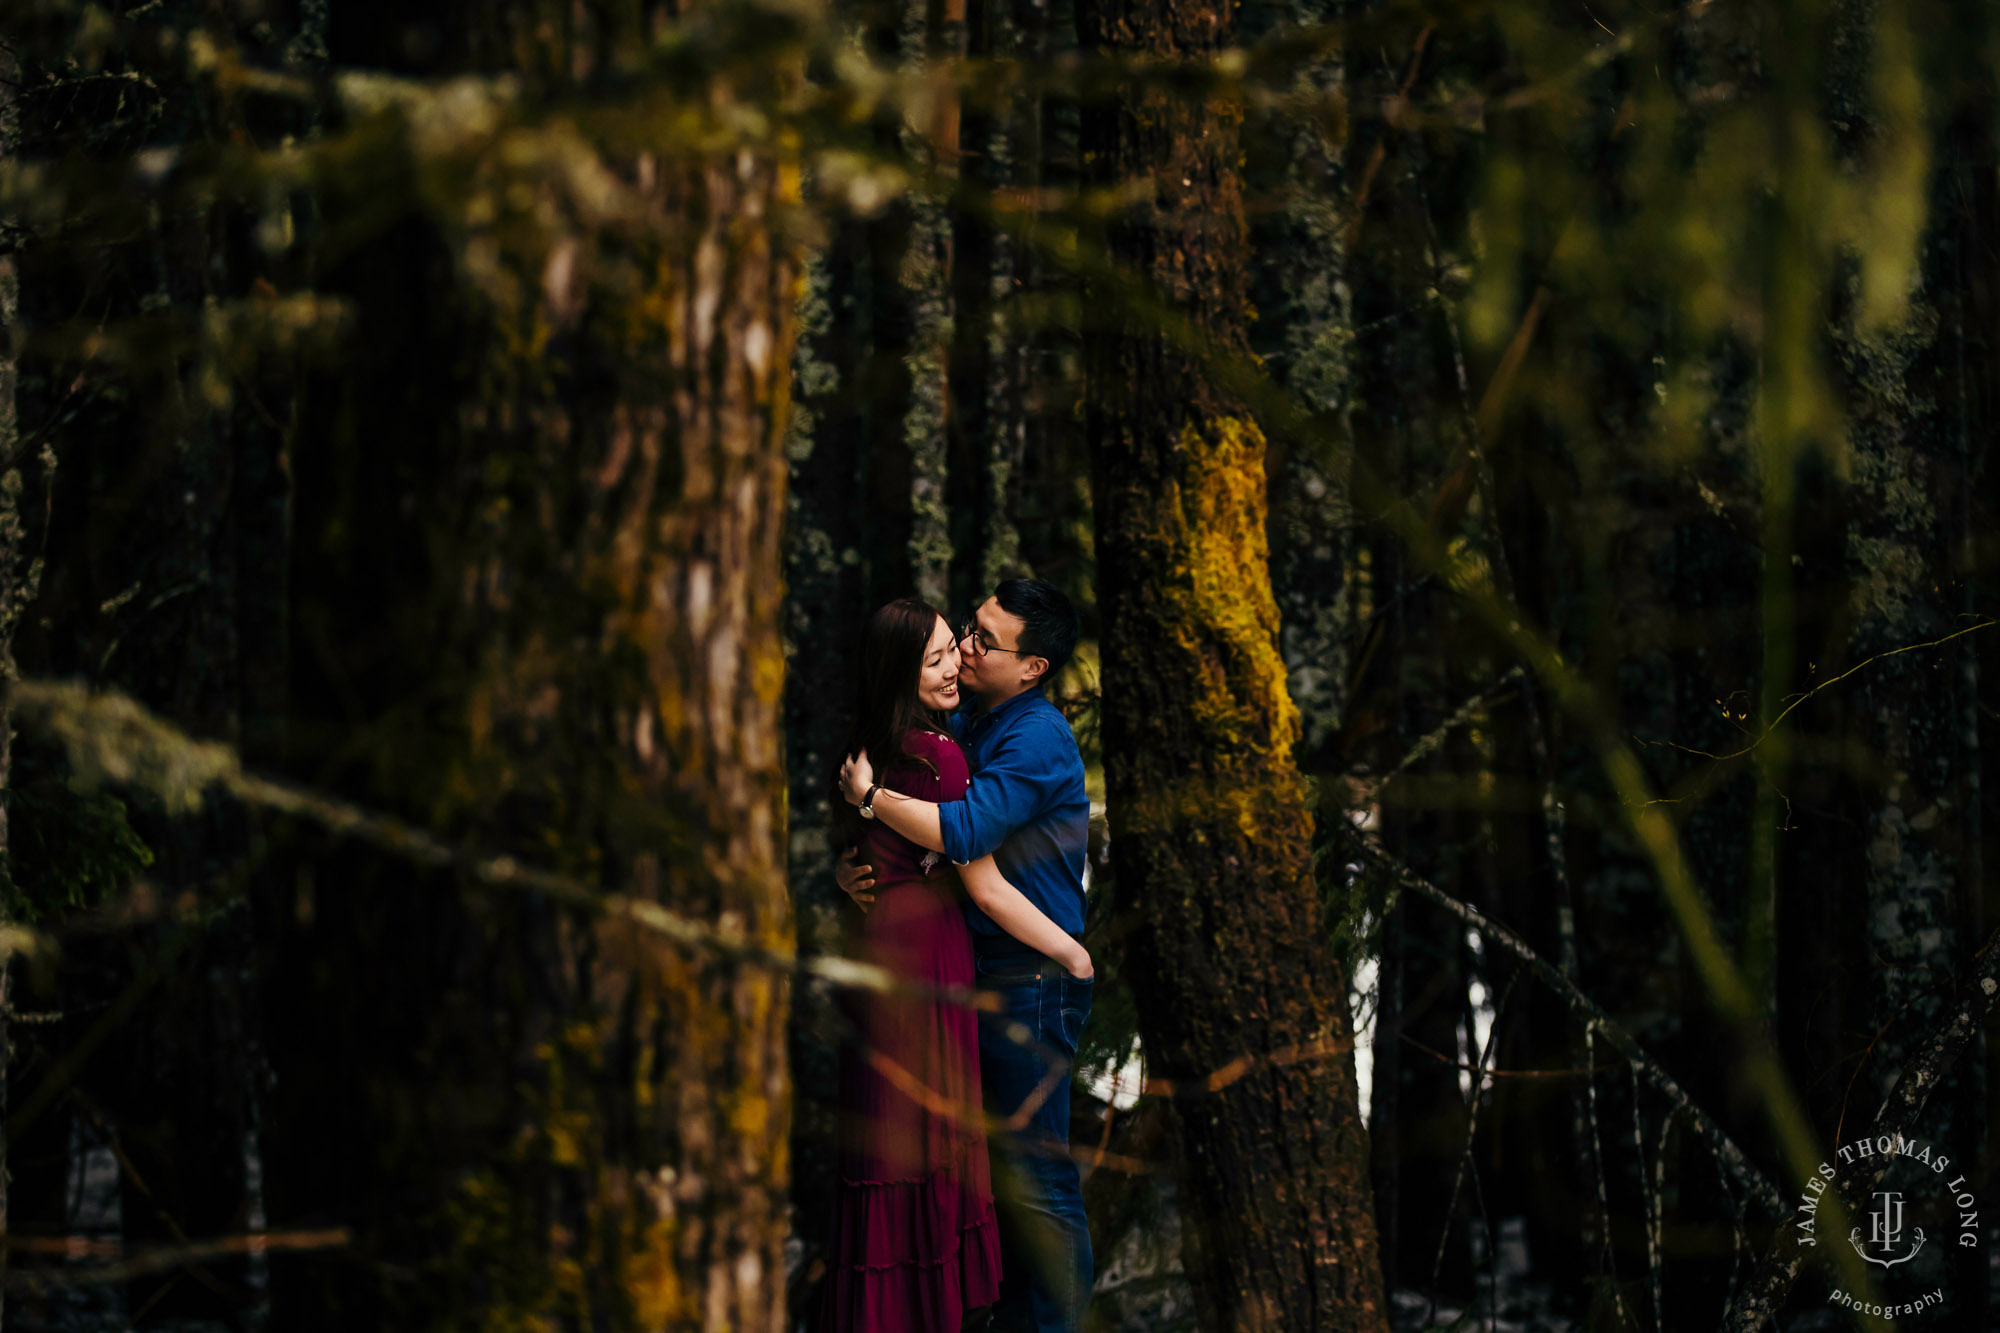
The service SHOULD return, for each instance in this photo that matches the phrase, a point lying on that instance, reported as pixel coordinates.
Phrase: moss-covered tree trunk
(530, 1115)
(1304, 333)
(702, 1108)
(1209, 815)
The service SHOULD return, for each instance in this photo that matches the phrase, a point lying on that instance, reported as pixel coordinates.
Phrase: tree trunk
(978, 368)
(1910, 720)
(10, 589)
(824, 607)
(1207, 806)
(1041, 460)
(1304, 334)
(570, 654)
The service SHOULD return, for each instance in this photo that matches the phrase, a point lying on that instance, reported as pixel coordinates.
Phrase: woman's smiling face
(937, 683)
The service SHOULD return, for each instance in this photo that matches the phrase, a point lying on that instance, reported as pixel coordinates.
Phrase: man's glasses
(979, 647)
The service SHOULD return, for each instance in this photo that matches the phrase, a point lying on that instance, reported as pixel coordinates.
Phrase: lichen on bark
(1207, 809)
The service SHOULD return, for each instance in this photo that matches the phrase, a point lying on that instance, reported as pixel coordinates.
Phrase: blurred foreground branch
(157, 1260)
(110, 737)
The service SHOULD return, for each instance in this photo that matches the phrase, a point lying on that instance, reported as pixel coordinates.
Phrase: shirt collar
(985, 716)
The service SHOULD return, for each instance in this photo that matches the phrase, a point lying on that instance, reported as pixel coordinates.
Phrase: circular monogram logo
(1920, 1202)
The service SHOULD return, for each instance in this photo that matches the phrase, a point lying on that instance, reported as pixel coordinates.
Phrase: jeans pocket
(1004, 975)
(1075, 1010)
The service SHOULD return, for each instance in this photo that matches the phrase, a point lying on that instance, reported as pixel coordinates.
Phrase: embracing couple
(967, 816)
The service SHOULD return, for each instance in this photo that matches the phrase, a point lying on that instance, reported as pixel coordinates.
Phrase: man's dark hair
(1050, 624)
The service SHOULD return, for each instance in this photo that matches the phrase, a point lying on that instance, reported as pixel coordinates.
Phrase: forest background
(1521, 464)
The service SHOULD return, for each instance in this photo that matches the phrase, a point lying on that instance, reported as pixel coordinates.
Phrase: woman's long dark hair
(887, 709)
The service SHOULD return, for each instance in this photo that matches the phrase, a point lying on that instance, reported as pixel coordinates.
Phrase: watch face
(867, 812)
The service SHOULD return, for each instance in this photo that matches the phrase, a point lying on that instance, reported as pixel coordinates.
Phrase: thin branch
(1765, 734)
(1655, 1202)
(1444, 1059)
(1367, 789)
(1481, 422)
(1380, 151)
(1753, 1182)
(129, 1174)
(1243, 1065)
(157, 1260)
(1597, 1176)
(1110, 1116)
(1473, 1099)
(1738, 1242)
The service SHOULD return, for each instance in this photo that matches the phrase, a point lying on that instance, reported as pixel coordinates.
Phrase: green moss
(924, 422)
(490, 1242)
(68, 847)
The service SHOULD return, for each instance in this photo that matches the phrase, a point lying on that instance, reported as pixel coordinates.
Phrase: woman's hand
(1013, 913)
(856, 776)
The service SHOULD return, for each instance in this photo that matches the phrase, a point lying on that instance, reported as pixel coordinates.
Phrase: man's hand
(857, 775)
(856, 881)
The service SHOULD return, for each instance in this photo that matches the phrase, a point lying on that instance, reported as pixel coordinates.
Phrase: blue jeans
(1046, 1269)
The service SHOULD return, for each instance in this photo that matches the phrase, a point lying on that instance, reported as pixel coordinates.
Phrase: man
(1026, 806)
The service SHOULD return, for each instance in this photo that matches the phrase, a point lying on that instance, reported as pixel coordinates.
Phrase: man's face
(1002, 670)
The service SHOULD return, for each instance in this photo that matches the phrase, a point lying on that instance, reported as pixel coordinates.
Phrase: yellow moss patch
(749, 1108)
(1254, 806)
(1221, 503)
(650, 1277)
(490, 1245)
(569, 1122)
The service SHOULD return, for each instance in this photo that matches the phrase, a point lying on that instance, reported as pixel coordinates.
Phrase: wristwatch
(868, 802)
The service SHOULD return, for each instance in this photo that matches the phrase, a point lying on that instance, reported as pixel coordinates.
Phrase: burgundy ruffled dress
(915, 1240)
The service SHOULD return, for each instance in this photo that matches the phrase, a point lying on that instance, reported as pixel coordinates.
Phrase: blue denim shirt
(1026, 807)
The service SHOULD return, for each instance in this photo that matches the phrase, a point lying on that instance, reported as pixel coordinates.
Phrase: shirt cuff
(954, 833)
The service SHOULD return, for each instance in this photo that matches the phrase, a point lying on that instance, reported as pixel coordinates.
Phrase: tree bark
(1304, 334)
(1910, 719)
(977, 357)
(10, 591)
(824, 605)
(571, 655)
(1207, 807)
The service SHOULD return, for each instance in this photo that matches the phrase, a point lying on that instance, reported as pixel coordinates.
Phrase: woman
(915, 1242)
